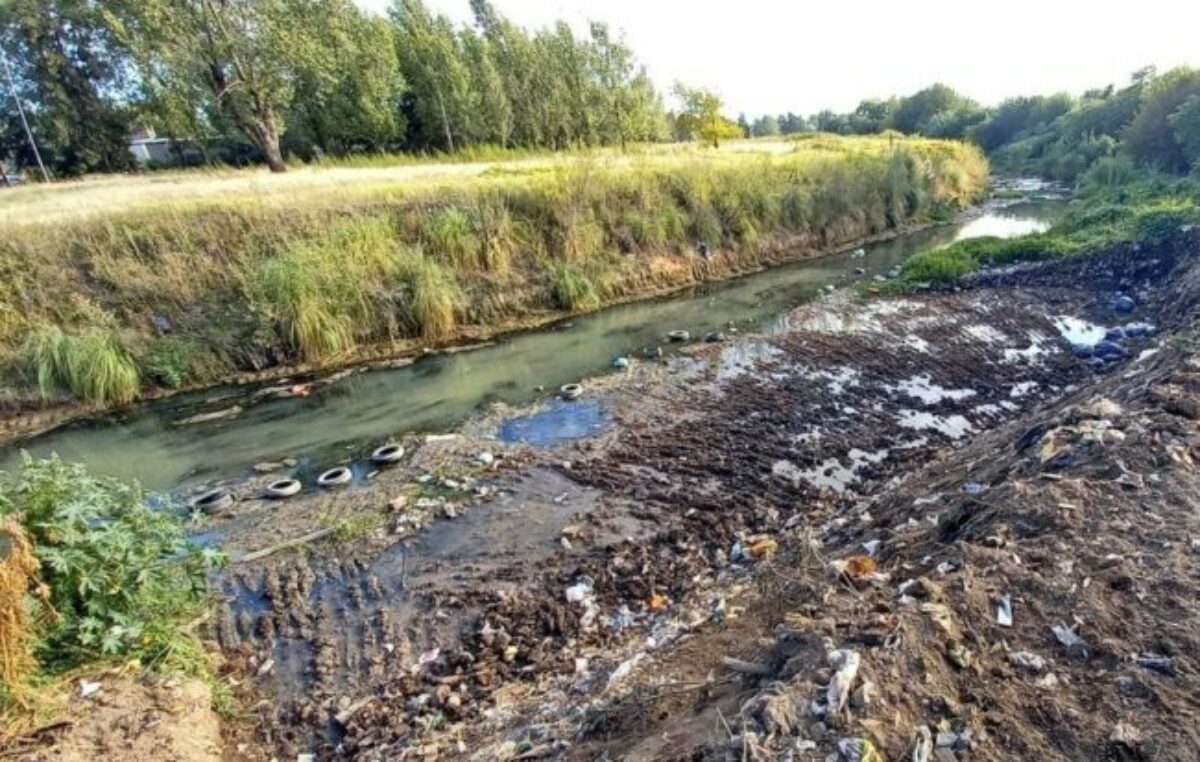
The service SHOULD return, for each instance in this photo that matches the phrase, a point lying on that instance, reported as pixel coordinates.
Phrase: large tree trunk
(265, 137)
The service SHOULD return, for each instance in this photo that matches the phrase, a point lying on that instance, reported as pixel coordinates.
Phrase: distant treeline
(254, 80)
(1102, 136)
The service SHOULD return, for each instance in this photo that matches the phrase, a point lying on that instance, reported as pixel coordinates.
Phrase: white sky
(807, 55)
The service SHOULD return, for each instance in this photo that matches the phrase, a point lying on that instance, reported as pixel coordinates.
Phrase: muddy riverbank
(879, 477)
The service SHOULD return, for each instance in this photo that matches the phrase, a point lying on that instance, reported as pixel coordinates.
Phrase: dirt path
(876, 480)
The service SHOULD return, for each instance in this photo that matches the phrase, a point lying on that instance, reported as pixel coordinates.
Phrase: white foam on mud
(857, 320)
(929, 393)
(1035, 351)
(985, 333)
(831, 473)
(917, 343)
(953, 426)
(807, 437)
(839, 378)
(1079, 331)
(741, 357)
(1022, 388)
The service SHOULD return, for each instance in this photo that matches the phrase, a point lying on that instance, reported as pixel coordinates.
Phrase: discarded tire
(679, 336)
(212, 501)
(282, 488)
(335, 477)
(389, 453)
(571, 391)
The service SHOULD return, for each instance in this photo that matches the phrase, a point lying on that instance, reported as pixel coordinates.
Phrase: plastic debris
(624, 669)
(1027, 660)
(872, 547)
(656, 602)
(579, 592)
(1004, 612)
(858, 750)
(620, 362)
(1125, 734)
(846, 662)
(87, 688)
(922, 745)
(762, 548)
(860, 567)
(430, 656)
(973, 488)
(1076, 646)
(1162, 664)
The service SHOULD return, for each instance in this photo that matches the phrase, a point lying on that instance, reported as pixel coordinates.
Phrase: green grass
(316, 266)
(1147, 213)
(92, 365)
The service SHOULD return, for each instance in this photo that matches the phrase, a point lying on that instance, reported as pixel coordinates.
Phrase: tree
(701, 116)
(355, 103)
(765, 126)
(248, 54)
(1150, 137)
(1186, 124)
(73, 74)
(914, 113)
(437, 74)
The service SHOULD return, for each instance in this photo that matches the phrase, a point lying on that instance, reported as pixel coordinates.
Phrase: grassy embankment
(179, 280)
(1144, 212)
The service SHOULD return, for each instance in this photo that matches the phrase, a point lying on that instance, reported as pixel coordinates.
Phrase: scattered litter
(973, 488)
(1077, 647)
(430, 656)
(87, 688)
(1162, 664)
(922, 745)
(1125, 734)
(579, 592)
(1027, 660)
(624, 669)
(1004, 612)
(845, 661)
(858, 750)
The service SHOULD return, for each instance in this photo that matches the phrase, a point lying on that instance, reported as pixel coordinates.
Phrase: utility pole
(12, 87)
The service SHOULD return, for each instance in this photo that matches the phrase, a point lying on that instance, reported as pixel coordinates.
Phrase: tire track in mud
(746, 439)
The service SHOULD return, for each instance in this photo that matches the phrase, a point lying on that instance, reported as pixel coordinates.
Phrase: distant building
(147, 149)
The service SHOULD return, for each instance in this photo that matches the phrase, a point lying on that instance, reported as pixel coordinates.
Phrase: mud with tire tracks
(878, 477)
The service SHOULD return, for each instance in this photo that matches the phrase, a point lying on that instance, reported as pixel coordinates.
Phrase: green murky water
(436, 392)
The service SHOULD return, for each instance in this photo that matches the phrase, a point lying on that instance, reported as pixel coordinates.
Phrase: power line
(12, 87)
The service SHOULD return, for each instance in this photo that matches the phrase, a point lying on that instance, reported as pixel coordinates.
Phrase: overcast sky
(768, 56)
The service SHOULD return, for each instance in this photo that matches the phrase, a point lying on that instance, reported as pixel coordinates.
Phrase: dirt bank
(917, 490)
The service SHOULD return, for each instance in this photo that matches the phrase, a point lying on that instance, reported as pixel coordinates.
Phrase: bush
(118, 573)
(572, 288)
(432, 295)
(450, 235)
(94, 365)
(1160, 222)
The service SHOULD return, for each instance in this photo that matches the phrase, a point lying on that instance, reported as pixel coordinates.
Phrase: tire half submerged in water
(283, 488)
(335, 477)
(212, 501)
(389, 453)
